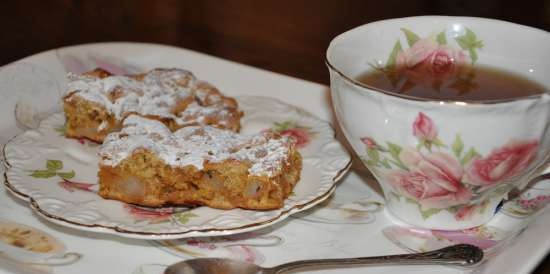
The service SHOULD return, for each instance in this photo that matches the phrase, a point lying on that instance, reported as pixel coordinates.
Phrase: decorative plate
(58, 177)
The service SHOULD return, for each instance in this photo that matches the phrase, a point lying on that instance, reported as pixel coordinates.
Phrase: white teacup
(443, 164)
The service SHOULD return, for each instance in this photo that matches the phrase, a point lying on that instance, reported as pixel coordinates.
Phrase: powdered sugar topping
(194, 145)
(158, 92)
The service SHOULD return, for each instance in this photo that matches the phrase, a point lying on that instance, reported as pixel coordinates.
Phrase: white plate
(58, 176)
(350, 224)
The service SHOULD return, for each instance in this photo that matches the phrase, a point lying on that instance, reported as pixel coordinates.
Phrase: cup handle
(544, 175)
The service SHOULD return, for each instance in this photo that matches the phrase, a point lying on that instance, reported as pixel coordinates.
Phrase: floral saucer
(58, 176)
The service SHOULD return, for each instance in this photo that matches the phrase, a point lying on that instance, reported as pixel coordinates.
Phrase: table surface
(284, 36)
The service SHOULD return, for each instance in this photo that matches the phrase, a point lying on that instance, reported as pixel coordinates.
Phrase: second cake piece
(97, 102)
(147, 164)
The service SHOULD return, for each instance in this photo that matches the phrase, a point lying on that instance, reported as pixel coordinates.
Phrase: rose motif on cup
(427, 60)
(369, 142)
(433, 180)
(431, 60)
(503, 163)
(424, 128)
(436, 176)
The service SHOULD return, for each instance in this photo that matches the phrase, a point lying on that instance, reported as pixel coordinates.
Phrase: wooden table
(285, 36)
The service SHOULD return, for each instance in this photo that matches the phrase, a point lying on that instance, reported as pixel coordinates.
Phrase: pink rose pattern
(435, 179)
(501, 164)
(301, 135)
(424, 128)
(529, 202)
(535, 203)
(369, 142)
(158, 215)
(490, 239)
(426, 60)
(240, 247)
(430, 61)
(80, 65)
(71, 186)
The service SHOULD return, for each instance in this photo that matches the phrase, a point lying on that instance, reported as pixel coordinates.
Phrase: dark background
(285, 36)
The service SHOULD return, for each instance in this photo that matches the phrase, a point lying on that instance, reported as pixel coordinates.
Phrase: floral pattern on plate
(490, 239)
(72, 186)
(530, 202)
(83, 141)
(239, 247)
(80, 64)
(53, 168)
(147, 215)
(332, 211)
(60, 165)
(301, 135)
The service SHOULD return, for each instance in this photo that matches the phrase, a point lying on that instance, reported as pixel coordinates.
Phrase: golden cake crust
(146, 164)
(97, 102)
(144, 179)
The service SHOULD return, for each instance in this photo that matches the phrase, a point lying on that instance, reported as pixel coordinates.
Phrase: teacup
(443, 164)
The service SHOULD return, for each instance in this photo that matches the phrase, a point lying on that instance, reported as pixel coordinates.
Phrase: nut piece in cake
(146, 164)
(97, 102)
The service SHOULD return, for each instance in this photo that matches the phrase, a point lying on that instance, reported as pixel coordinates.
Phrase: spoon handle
(460, 255)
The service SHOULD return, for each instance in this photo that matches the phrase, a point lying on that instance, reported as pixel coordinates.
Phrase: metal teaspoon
(457, 255)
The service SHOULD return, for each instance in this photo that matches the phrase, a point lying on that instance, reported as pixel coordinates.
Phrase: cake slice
(97, 102)
(146, 164)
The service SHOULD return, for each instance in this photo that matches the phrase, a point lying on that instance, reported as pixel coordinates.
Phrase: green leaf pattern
(54, 164)
(390, 64)
(43, 173)
(457, 146)
(412, 37)
(285, 125)
(441, 38)
(373, 154)
(376, 156)
(469, 156)
(429, 212)
(470, 43)
(61, 130)
(184, 217)
(53, 168)
(66, 175)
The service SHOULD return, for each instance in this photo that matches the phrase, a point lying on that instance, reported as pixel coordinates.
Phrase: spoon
(458, 255)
